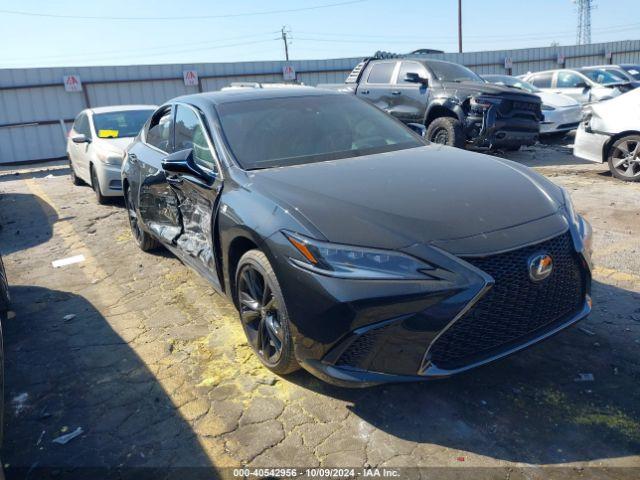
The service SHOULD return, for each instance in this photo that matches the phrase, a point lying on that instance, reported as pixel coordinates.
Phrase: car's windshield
(604, 76)
(633, 70)
(514, 82)
(276, 132)
(126, 123)
(452, 72)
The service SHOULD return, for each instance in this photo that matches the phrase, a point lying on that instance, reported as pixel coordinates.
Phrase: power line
(147, 49)
(191, 17)
(584, 21)
(144, 54)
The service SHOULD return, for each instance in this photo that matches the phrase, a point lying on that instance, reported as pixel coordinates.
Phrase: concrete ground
(141, 354)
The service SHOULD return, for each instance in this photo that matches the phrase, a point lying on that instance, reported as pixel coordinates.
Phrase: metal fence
(36, 110)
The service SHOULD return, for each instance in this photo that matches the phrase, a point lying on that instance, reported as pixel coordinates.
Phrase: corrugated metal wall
(33, 101)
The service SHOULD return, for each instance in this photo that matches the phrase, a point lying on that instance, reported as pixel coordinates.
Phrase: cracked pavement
(155, 368)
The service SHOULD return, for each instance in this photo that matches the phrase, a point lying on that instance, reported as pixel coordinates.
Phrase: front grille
(515, 308)
(520, 109)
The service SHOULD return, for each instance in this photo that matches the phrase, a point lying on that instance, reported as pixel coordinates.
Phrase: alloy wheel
(626, 158)
(440, 136)
(260, 315)
(133, 218)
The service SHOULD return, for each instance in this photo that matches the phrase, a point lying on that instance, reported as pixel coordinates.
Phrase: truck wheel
(624, 158)
(263, 313)
(447, 131)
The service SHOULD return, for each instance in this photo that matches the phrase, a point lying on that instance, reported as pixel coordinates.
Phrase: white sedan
(561, 113)
(610, 133)
(97, 142)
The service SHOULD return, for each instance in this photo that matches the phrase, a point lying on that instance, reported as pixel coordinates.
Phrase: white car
(574, 84)
(97, 142)
(610, 133)
(561, 113)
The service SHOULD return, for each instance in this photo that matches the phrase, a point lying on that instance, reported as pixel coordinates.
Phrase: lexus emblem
(540, 267)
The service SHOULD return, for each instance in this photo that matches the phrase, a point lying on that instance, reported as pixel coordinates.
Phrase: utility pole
(460, 26)
(286, 45)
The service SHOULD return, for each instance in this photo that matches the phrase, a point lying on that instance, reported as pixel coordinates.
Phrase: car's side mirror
(80, 139)
(181, 162)
(583, 85)
(413, 77)
(418, 128)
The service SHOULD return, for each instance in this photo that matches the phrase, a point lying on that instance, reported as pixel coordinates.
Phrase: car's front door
(157, 202)
(197, 190)
(79, 152)
(409, 99)
(572, 84)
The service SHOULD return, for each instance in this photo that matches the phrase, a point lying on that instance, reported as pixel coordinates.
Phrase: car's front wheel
(263, 313)
(447, 131)
(74, 178)
(145, 241)
(95, 184)
(624, 158)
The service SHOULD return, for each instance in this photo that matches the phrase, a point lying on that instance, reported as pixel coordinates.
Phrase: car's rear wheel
(624, 158)
(145, 241)
(95, 184)
(263, 313)
(446, 131)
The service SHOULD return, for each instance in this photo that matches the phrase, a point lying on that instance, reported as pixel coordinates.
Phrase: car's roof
(244, 94)
(594, 67)
(122, 108)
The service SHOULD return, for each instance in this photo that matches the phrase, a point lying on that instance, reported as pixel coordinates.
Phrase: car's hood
(478, 88)
(115, 145)
(557, 100)
(616, 115)
(418, 195)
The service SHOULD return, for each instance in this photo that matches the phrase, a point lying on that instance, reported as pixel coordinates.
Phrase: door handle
(174, 179)
(396, 92)
(364, 92)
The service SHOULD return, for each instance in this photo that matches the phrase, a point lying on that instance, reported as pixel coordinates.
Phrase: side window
(81, 125)
(191, 134)
(542, 80)
(411, 67)
(381, 72)
(159, 133)
(569, 80)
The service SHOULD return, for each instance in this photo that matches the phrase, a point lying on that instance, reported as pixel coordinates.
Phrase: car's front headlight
(581, 225)
(355, 262)
(547, 107)
(110, 158)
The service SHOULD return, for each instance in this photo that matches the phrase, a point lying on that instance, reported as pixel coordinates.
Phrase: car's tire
(74, 178)
(263, 313)
(143, 239)
(446, 131)
(95, 184)
(624, 158)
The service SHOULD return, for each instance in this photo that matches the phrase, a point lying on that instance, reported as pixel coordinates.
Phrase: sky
(125, 32)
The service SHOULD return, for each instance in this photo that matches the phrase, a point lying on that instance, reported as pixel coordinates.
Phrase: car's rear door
(409, 100)
(197, 191)
(157, 202)
(375, 85)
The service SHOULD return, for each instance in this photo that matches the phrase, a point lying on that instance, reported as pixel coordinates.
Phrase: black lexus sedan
(351, 246)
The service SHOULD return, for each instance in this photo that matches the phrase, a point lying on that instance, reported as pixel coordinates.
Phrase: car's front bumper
(335, 320)
(590, 145)
(110, 180)
(353, 377)
(561, 119)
